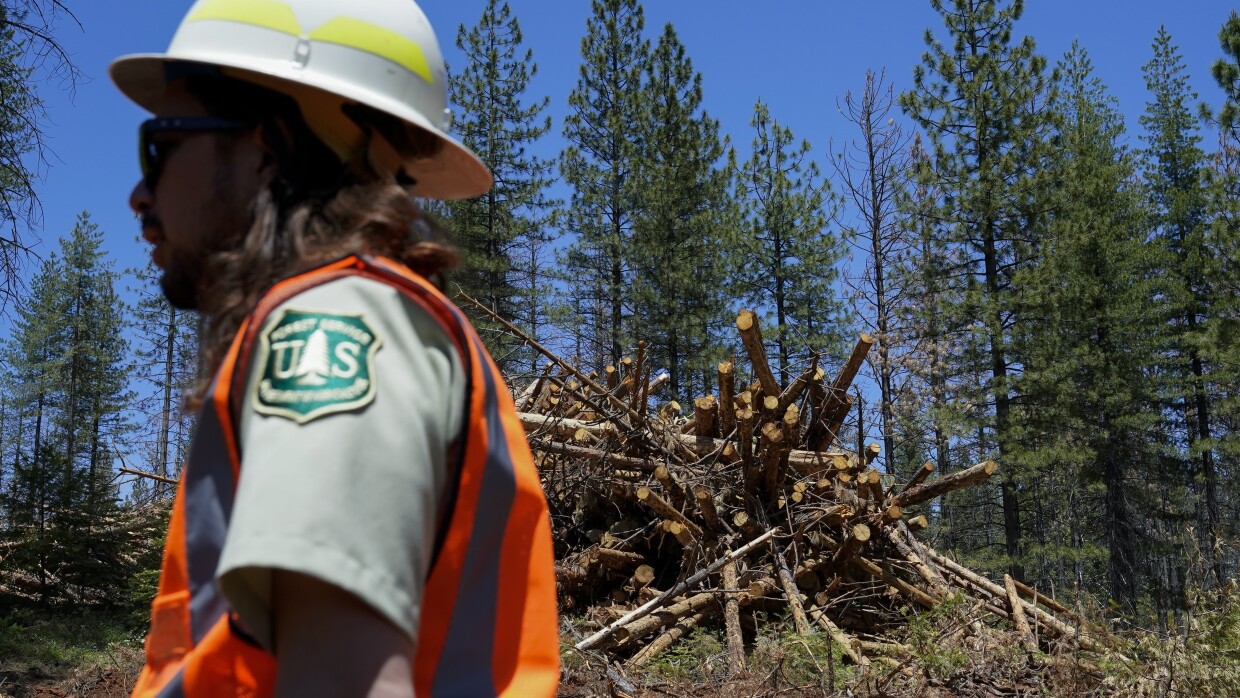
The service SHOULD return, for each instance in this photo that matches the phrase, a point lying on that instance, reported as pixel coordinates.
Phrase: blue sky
(799, 56)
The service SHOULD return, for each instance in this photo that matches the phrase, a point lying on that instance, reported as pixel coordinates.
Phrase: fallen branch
(647, 608)
(751, 338)
(945, 484)
(674, 633)
(732, 619)
(149, 476)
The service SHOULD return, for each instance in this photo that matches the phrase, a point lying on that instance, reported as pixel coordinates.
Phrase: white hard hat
(325, 54)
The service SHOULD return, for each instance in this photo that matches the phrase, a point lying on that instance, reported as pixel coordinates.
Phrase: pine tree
(981, 99)
(165, 366)
(1226, 72)
(20, 110)
(677, 247)
(787, 255)
(1222, 326)
(94, 412)
(1175, 174)
(33, 360)
(65, 378)
(922, 413)
(501, 232)
(938, 409)
(603, 129)
(1092, 337)
(96, 391)
(30, 53)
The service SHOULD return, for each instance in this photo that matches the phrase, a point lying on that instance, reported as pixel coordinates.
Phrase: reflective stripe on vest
(488, 625)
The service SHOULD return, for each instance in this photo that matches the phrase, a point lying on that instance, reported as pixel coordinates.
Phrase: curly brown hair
(315, 209)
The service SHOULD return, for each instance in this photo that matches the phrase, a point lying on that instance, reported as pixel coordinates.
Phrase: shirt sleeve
(347, 495)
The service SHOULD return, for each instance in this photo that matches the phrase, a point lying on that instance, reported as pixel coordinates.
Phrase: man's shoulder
(321, 350)
(347, 292)
(353, 290)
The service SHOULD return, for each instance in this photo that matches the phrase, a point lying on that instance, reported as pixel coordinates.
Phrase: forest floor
(56, 655)
(98, 655)
(951, 655)
(93, 657)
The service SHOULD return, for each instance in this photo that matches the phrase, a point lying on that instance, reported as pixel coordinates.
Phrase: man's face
(200, 198)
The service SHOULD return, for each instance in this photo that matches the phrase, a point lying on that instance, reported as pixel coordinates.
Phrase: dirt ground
(96, 682)
(113, 677)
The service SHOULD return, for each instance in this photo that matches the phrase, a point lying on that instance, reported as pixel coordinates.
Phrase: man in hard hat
(359, 513)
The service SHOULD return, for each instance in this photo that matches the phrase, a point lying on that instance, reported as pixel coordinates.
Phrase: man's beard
(180, 283)
(185, 278)
(179, 272)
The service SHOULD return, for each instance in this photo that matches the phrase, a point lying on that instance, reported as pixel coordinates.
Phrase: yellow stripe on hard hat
(344, 31)
(375, 39)
(269, 14)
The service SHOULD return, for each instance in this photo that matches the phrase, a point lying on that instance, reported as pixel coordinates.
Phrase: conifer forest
(991, 323)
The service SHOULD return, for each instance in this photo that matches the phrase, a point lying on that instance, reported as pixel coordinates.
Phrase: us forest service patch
(315, 364)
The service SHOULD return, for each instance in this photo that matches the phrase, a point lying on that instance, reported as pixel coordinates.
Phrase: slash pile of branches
(743, 505)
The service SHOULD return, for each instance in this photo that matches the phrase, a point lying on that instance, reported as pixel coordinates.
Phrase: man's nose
(141, 199)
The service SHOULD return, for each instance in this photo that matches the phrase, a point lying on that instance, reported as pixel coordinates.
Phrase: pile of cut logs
(664, 522)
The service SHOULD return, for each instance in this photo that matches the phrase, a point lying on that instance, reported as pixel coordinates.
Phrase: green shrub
(700, 654)
(925, 633)
(135, 601)
(570, 657)
(801, 660)
(52, 643)
(1204, 660)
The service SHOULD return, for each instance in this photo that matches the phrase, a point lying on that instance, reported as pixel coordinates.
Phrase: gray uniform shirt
(349, 491)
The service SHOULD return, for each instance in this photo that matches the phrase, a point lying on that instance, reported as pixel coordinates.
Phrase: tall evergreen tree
(65, 376)
(787, 253)
(944, 400)
(1226, 72)
(1223, 325)
(678, 244)
(981, 99)
(1092, 337)
(1175, 173)
(922, 413)
(501, 231)
(33, 361)
(96, 389)
(603, 129)
(165, 360)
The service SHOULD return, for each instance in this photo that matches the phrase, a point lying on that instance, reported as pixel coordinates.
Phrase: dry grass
(956, 652)
(45, 654)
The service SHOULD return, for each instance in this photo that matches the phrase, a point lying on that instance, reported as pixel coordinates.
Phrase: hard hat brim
(454, 172)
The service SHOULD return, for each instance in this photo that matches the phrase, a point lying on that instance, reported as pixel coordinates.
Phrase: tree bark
(751, 338)
(732, 619)
(945, 484)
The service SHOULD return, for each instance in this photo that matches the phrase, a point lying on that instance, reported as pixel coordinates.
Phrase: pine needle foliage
(503, 234)
(605, 142)
(787, 255)
(678, 251)
(980, 94)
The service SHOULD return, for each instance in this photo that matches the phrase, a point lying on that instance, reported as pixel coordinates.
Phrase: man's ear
(264, 135)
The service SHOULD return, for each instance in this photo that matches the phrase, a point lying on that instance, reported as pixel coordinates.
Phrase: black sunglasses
(151, 155)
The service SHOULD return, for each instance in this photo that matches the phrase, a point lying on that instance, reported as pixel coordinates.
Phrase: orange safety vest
(488, 624)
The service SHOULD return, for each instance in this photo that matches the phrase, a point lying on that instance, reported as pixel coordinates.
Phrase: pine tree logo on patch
(316, 364)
